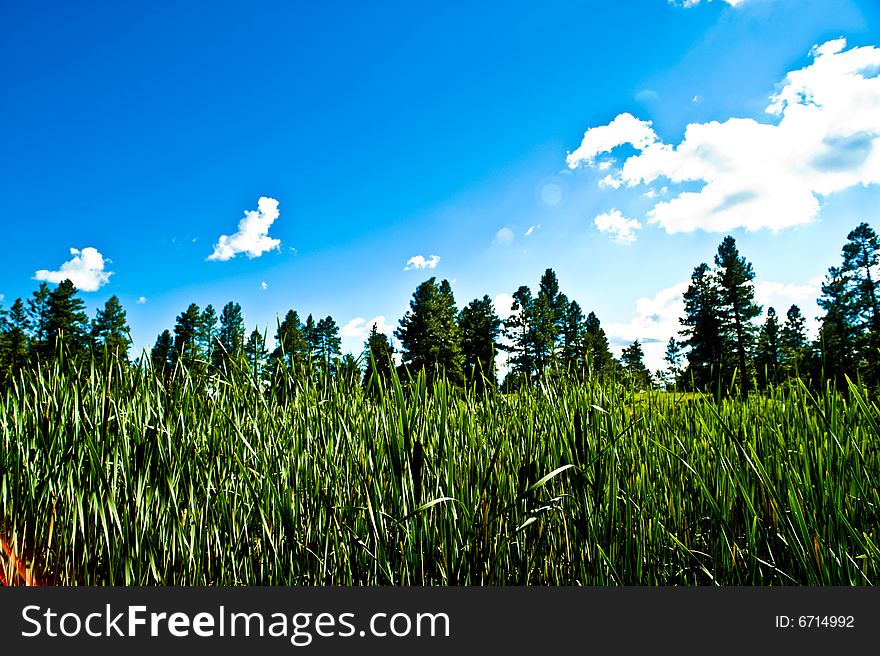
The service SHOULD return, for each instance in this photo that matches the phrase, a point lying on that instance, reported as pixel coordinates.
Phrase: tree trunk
(741, 348)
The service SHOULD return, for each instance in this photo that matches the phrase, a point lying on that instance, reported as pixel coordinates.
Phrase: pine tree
(479, 326)
(329, 344)
(66, 322)
(633, 362)
(256, 353)
(428, 333)
(672, 357)
(575, 341)
(735, 276)
(378, 358)
(702, 330)
(548, 317)
(13, 341)
(230, 337)
(767, 358)
(793, 350)
(313, 341)
(38, 318)
(543, 333)
(837, 332)
(162, 355)
(519, 330)
(17, 326)
(186, 331)
(861, 256)
(110, 330)
(207, 333)
(601, 360)
(292, 349)
(861, 259)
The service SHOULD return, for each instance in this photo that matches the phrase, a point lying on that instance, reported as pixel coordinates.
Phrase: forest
(721, 347)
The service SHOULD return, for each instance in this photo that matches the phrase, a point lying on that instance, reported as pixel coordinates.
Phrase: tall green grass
(115, 476)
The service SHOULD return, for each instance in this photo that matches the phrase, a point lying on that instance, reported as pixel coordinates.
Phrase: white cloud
(758, 175)
(610, 181)
(532, 229)
(782, 296)
(502, 304)
(693, 3)
(419, 262)
(252, 237)
(653, 193)
(766, 291)
(647, 96)
(142, 300)
(504, 237)
(360, 327)
(85, 270)
(263, 285)
(625, 129)
(621, 229)
(654, 321)
(2, 297)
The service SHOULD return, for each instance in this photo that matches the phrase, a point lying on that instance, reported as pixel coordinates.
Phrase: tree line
(721, 345)
(31, 332)
(543, 333)
(202, 341)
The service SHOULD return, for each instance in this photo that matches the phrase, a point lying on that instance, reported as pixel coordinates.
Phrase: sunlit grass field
(116, 476)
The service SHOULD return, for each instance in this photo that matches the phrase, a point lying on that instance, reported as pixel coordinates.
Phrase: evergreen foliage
(480, 327)
(14, 326)
(602, 362)
(292, 350)
(794, 351)
(110, 329)
(378, 359)
(162, 355)
(768, 354)
(633, 363)
(207, 333)
(186, 343)
(256, 353)
(429, 334)
(673, 357)
(230, 337)
(544, 335)
(738, 308)
(66, 323)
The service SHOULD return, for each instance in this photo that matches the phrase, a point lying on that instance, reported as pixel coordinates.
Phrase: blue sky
(140, 133)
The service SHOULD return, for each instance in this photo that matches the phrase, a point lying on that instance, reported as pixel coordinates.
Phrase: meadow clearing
(117, 476)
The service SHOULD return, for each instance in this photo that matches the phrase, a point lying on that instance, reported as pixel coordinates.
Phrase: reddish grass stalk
(13, 570)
